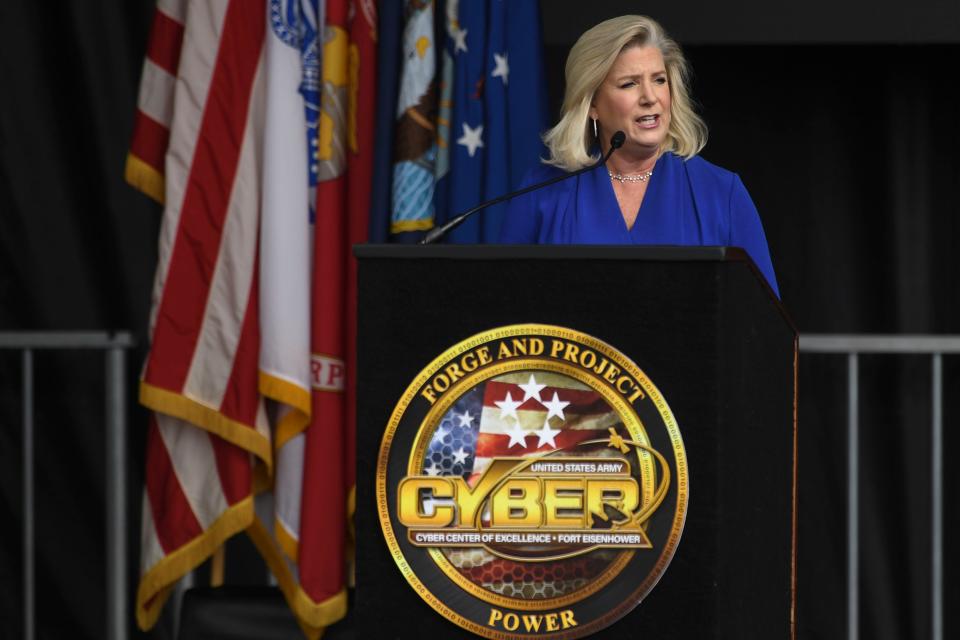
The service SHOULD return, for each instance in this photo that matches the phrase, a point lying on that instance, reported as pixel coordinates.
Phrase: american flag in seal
(522, 414)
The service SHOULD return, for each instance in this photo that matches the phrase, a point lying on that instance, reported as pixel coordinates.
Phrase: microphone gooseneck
(616, 141)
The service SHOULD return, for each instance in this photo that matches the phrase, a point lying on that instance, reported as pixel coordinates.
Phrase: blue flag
(389, 47)
(498, 110)
(459, 113)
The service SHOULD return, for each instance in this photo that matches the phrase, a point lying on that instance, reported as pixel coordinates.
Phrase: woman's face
(635, 98)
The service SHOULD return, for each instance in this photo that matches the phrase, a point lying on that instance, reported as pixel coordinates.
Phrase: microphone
(435, 234)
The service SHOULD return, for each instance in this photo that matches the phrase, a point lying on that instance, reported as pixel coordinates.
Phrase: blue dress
(688, 202)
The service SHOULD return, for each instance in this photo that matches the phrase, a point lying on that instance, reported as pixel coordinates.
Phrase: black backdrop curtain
(77, 252)
(850, 154)
(848, 151)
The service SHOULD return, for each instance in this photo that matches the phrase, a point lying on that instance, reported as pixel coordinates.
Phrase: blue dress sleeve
(746, 231)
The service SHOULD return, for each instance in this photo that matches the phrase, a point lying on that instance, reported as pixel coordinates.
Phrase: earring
(595, 134)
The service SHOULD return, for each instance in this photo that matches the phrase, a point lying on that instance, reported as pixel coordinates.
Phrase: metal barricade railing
(852, 346)
(115, 345)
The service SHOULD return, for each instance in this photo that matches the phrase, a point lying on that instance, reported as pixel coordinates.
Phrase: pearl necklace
(640, 177)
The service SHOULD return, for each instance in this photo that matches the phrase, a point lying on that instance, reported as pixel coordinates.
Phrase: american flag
(520, 414)
(250, 371)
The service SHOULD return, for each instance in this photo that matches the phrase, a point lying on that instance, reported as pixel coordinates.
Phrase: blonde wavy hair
(590, 59)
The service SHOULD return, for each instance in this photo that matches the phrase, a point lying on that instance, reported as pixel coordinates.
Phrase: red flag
(345, 167)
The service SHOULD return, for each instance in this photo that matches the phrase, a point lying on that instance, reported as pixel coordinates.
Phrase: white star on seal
(459, 39)
(502, 69)
(471, 138)
(546, 435)
(517, 436)
(433, 470)
(466, 420)
(555, 407)
(508, 407)
(532, 389)
(440, 434)
(460, 456)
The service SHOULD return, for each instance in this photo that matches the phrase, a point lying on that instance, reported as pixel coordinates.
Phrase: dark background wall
(841, 118)
(760, 22)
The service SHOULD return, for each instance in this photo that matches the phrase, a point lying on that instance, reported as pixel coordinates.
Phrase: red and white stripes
(151, 128)
(200, 110)
(222, 346)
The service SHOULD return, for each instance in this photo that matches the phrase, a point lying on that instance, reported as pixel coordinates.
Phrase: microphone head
(617, 140)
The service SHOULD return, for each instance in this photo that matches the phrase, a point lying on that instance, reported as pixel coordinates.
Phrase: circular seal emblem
(532, 483)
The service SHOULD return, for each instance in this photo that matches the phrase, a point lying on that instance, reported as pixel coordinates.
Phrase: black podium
(700, 322)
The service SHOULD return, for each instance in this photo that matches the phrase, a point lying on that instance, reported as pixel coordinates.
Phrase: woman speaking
(626, 74)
